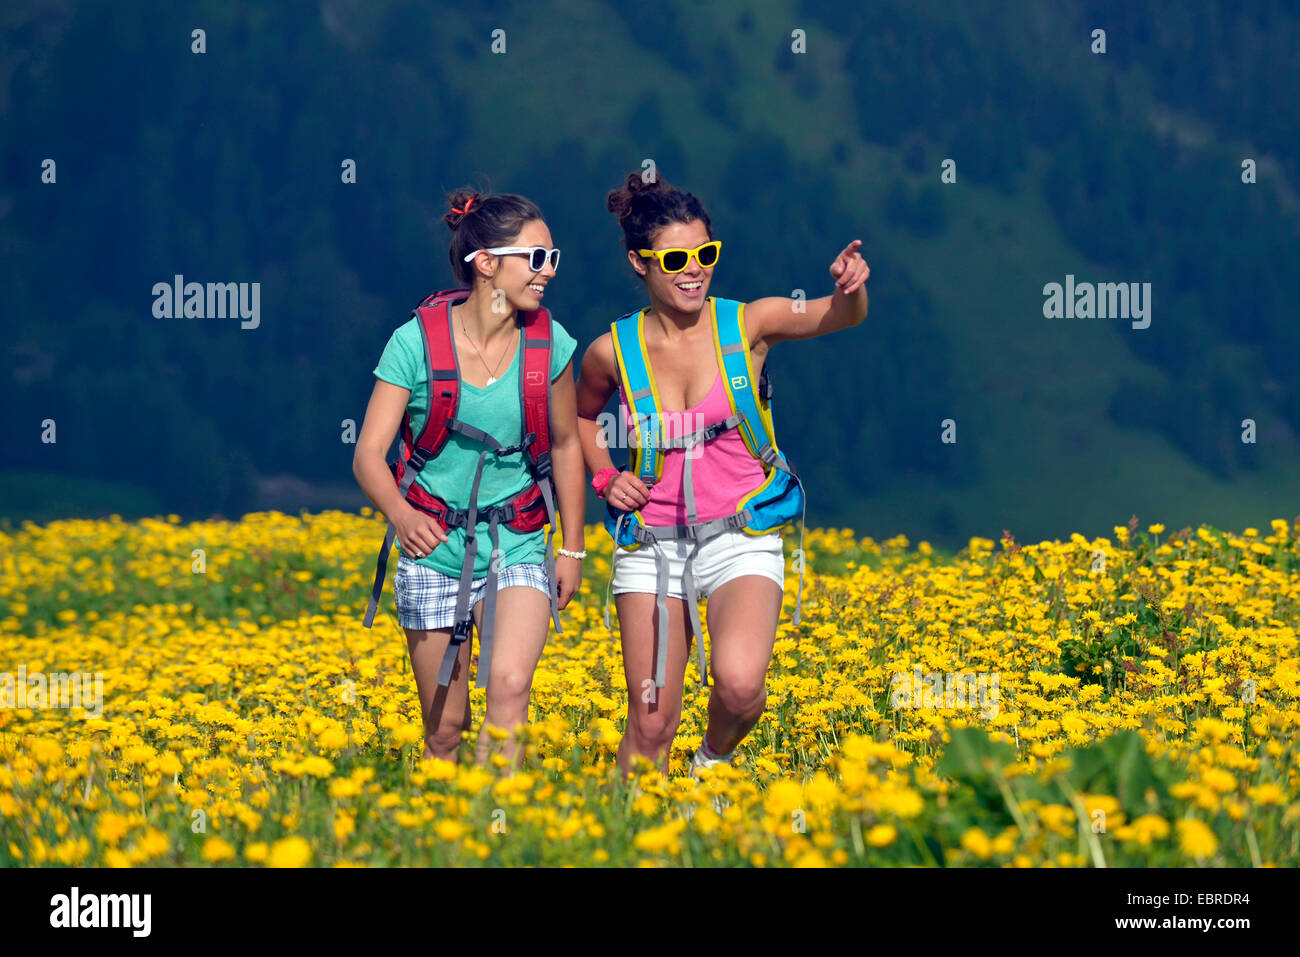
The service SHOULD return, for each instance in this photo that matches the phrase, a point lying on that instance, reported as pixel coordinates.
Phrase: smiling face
(680, 291)
(523, 287)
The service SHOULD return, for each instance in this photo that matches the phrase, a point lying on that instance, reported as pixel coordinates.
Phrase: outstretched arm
(776, 318)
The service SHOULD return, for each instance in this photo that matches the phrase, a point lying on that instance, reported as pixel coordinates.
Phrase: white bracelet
(565, 551)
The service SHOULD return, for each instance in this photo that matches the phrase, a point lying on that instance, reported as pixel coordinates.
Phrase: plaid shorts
(426, 599)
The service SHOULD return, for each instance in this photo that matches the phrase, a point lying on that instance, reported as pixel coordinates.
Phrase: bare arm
(597, 382)
(777, 318)
(383, 416)
(566, 460)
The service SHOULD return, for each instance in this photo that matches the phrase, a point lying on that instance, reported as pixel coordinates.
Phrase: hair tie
(468, 204)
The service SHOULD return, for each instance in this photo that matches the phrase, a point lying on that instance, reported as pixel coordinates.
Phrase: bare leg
(445, 710)
(742, 618)
(523, 620)
(653, 714)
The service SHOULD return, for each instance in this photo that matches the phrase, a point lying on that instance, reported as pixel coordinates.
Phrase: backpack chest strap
(688, 442)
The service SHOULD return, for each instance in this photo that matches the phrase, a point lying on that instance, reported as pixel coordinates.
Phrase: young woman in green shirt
(488, 342)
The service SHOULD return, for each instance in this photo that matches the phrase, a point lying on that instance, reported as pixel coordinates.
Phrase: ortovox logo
(534, 378)
(739, 381)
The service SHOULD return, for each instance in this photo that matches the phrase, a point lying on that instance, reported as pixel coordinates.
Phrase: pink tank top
(723, 469)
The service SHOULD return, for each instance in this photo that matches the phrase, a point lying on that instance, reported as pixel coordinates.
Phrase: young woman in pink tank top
(742, 574)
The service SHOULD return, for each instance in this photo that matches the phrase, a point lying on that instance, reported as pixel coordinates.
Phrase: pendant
(491, 379)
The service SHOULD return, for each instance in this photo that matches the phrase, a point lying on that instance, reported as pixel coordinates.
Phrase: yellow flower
(1266, 794)
(290, 852)
(332, 738)
(1196, 839)
(110, 828)
(821, 790)
(811, 859)
(783, 797)
(661, 838)
(1148, 828)
(978, 843)
(216, 850)
(882, 835)
(344, 825)
(449, 830)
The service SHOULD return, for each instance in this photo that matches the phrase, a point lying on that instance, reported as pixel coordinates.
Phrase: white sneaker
(720, 803)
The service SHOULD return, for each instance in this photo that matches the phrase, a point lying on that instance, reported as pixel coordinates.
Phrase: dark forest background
(225, 167)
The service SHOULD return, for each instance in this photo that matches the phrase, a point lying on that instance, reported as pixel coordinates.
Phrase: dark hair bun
(619, 201)
(642, 208)
(461, 203)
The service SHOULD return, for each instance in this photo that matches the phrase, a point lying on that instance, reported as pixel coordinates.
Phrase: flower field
(1131, 701)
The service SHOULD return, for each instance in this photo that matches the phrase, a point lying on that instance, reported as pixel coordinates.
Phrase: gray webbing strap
(549, 500)
(798, 605)
(460, 630)
(373, 605)
(776, 460)
(693, 609)
(703, 434)
(701, 531)
(661, 606)
(449, 660)
(489, 608)
(473, 432)
(618, 524)
(688, 484)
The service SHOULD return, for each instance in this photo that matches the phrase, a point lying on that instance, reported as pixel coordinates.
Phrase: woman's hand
(419, 532)
(568, 575)
(850, 270)
(626, 492)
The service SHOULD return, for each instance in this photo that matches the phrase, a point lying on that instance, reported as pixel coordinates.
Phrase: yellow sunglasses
(676, 260)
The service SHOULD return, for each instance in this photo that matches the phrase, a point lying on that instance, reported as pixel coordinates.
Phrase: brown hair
(643, 207)
(479, 221)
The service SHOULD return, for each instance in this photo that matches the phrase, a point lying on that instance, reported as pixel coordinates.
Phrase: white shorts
(728, 555)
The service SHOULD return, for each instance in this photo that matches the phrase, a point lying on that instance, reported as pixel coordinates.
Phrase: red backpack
(528, 511)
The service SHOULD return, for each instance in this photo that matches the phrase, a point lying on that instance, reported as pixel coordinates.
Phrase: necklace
(492, 373)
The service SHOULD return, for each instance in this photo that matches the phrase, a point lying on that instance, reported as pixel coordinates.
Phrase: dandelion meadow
(1138, 707)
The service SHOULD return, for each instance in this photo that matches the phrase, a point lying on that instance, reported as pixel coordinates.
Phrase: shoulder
(601, 352)
(408, 333)
(758, 316)
(598, 362)
(406, 340)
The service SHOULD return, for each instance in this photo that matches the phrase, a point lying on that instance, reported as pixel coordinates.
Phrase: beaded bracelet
(565, 551)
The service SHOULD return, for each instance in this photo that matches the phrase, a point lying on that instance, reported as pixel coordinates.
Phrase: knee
(508, 691)
(741, 694)
(444, 740)
(654, 731)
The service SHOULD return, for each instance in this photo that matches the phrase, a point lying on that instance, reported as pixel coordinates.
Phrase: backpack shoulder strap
(443, 383)
(535, 386)
(639, 388)
(743, 391)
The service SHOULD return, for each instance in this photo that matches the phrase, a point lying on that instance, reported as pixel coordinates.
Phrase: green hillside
(1119, 167)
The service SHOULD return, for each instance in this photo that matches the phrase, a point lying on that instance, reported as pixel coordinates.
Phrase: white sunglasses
(537, 255)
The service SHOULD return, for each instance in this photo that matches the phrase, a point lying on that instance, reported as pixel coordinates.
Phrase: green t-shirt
(450, 476)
